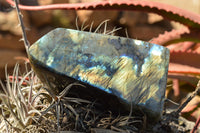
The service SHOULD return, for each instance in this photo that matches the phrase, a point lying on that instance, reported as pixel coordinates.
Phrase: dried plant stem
(198, 120)
(196, 125)
(173, 116)
(26, 43)
(197, 90)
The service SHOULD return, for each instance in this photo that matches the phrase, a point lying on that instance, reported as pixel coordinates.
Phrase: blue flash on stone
(132, 71)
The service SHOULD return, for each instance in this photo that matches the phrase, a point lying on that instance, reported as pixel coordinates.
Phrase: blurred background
(139, 25)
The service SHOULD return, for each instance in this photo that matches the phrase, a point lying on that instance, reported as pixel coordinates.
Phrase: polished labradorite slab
(133, 71)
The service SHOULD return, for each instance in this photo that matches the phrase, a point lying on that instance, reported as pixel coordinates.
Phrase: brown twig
(26, 43)
(196, 125)
(173, 116)
(198, 120)
(188, 99)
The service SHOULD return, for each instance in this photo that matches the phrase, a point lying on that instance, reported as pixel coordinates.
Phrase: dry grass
(27, 107)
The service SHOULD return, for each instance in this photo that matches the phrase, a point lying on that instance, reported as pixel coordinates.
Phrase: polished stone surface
(133, 70)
